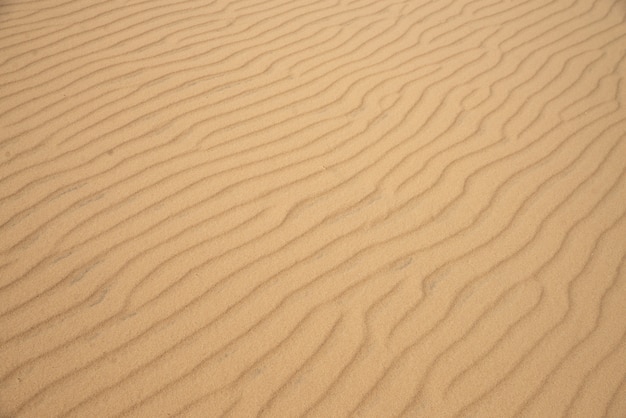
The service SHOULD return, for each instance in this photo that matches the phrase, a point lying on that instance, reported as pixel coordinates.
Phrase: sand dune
(313, 207)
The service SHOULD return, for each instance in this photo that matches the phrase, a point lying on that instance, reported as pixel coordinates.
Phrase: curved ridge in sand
(313, 207)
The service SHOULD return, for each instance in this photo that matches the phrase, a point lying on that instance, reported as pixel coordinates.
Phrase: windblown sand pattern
(313, 207)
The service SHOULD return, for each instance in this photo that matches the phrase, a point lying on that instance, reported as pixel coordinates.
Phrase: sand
(319, 208)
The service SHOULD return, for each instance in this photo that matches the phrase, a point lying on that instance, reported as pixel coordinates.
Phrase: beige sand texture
(322, 208)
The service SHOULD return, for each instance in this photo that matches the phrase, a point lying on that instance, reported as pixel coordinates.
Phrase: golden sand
(327, 208)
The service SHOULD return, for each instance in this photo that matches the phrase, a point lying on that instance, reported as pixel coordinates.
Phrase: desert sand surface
(321, 208)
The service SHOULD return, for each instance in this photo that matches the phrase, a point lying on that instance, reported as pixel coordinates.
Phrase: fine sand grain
(327, 208)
